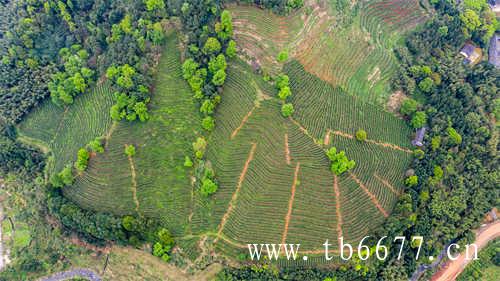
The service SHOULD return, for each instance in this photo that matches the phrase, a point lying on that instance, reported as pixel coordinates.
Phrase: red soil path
(245, 119)
(290, 203)
(238, 187)
(453, 268)
(337, 207)
(387, 184)
(373, 198)
(287, 150)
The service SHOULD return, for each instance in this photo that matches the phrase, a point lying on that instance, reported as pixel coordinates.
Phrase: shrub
(130, 150)
(187, 162)
(231, 49)
(212, 45)
(418, 153)
(361, 135)
(284, 93)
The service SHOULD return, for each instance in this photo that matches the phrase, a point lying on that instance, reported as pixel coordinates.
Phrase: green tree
(419, 119)
(287, 110)
(454, 136)
(435, 142)
(153, 5)
(130, 150)
(339, 161)
(82, 160)
(219, 78)
(212, 46)
(208, 123)
(231, 49)
(284, 93)
(411, 181)
(96, 145)
(199, 147)
(426, 85)
(361, 135)
(208, 187)
(282, 56)
(66, 176)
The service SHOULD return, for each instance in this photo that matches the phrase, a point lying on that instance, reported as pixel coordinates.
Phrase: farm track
(290, 203)
(287, 150)
(337, 207)
(373, 198)
(134, 182)
(238, 187)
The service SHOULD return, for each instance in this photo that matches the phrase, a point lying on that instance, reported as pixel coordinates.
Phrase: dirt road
(452, 269)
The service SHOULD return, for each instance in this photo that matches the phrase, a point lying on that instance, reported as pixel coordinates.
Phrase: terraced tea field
(154, 182)
(274, 179)
(275, 185)
(357, 57)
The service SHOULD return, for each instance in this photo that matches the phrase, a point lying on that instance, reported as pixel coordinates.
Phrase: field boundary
(373, 198)
(290, 203)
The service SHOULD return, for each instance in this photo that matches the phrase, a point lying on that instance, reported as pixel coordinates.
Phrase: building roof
(494, 2)
(419, 137)
(471, 53)
(494, 54)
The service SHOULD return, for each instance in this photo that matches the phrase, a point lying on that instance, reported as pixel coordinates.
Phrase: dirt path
(386, 183)
(134, 182)
(238, 187)
(290, 203)
(452, 269)
(373, 198)
(245, 119)
(383, 144)
(337, 207)
(287, 150)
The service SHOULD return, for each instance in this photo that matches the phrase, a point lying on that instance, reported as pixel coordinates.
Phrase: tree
(282, 56)
(470, 19)
(284, 93)
(130, 150)
(231, 49)
(454, 136)
(411, 181)
(282, 81)
(96, 145)
(199, 147)
(435, 142)
(152, 5)
(287, 110)
(212, 46)
(208, 123)
(419, 154)
(217, 63)
(219, 78)
(189, 68)
(419, 119)
(208, 187)
(408, 107)
(339, 161)
(361, 135)
(82, 160)
(66, 176)
(426, 85)
(142, 111)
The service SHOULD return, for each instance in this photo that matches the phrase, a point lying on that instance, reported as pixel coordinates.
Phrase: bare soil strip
(373, 198)
(384, 144)
(134, 182)
(337, 207)
(245, 119)
(110, 133)
(287, 150)
(290, 203)
(386, 183)
(238, 187)
(326, 140)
